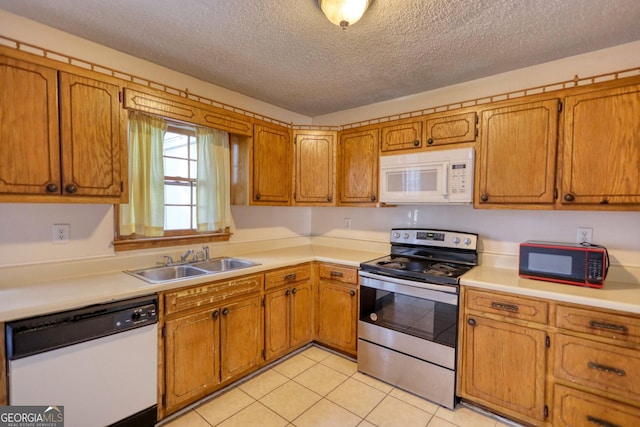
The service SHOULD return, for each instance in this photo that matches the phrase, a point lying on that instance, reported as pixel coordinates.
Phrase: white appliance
(437, 177)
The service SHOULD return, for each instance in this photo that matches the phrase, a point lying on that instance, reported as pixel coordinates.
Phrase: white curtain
(213, 186)
(144, 214)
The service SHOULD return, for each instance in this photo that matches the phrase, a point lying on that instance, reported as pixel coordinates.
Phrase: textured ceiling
(285, 52)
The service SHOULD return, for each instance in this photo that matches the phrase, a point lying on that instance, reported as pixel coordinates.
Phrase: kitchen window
(178, 185)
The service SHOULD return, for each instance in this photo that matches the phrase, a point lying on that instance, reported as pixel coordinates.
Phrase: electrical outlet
(585, 235)
(347, 223)
(60, 233)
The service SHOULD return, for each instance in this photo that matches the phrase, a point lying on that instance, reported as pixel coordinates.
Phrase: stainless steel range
(408, 325)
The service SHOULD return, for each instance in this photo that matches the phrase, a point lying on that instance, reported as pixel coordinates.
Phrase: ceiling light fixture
(344, 12)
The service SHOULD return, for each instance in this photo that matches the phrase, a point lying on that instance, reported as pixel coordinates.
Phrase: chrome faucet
(168, 260)
(206, 252)
(185, 255)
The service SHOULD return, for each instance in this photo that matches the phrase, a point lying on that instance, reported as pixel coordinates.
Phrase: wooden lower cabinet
(337, 308)
(577, 408)
(3, 368)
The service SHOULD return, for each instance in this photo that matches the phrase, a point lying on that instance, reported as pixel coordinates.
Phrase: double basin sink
(186, 271)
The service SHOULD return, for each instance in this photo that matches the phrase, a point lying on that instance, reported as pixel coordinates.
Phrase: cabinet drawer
(287, 275)
(339, 273)
(508, 305)
(604, 367)
(609, 325)
(576, 408)
(185, 299)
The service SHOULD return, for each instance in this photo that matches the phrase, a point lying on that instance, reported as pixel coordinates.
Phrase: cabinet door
(301, 314)
(315, 167)
(277, 322)
(601, 154)
(3, 368)
(92, 155)
(271, 166)
(191, 367)
(400, 136)
(358, 160)
(337, 315)
(504, 366)
(241, 339)
(576, 408)
(517, 159)
(29, 137)
(451, 129)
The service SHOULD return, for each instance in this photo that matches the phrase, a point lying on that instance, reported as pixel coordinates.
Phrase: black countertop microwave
(573, 264)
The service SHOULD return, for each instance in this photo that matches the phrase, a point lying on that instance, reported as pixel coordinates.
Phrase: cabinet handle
(329, 199)
(257, 196)
(352, 293)
(484, 198)
(215, 314)
(607, 369)
(416, 143)
(506, 307)
(287, 292)
(373, 198)
(51, 188)
(604, 201)
(225, 311)
(336, 274)
(294, 291)
(430, 141)
(471, 321)
(569, 197)
(71, 188)
(291, 276)
(608, 326)
(601, 422)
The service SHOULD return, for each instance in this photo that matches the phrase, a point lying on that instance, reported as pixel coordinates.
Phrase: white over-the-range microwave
(437, 177)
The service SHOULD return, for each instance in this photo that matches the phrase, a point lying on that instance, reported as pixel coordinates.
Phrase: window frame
(170, 237)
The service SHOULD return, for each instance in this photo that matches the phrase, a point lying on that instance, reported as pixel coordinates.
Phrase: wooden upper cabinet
(180, 108)
(92, 145)
(517, 155)
(442, 129)
(601, 153)
(405, 134)
(272, 174)
(315, 176)
(29, 136)
(358, 160)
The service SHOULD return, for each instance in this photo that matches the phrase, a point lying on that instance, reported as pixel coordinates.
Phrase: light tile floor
(316, 388)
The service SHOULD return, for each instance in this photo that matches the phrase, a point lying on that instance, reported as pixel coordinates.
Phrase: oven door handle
(443, 293)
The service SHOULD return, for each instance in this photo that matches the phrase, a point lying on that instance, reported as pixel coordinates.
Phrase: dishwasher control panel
(135, 316)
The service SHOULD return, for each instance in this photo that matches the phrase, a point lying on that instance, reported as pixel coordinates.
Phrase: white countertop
(41, 289)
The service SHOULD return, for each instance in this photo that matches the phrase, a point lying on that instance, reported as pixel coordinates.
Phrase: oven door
(408, 317)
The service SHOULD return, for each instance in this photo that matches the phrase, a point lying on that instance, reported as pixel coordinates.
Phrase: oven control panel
(438, 238)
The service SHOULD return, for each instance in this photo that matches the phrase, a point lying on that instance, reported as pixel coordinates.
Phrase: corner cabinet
(315, 172)
(516, 160)
(72, 148)
(271, 165)
(601, 153)
(337, 307)
(358, 160)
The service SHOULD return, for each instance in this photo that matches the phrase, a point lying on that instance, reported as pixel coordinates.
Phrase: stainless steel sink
(217, 265)
(185, 271)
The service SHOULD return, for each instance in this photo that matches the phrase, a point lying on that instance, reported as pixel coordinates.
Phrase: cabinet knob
(352, 293)
(294, 291)
(604, 201)
(484, 197)
(416, 143)
(569, 197)
(373, 198)
(51, 188)
(329, 199)
(215, 314)
(430, 141)
(287, 292)
(71, 188)
(257, 196)
(471, 321)
(225, 311)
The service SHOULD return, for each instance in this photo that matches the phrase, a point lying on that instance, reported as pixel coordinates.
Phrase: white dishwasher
(99, 362)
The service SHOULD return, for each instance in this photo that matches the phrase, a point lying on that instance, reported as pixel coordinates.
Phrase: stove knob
(405, 235)
(467, 241)
(396, 234)
(456, 240)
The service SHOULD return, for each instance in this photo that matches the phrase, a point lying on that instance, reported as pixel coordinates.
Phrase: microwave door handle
(445, 175)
